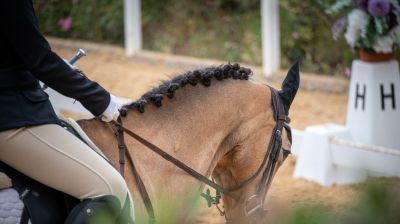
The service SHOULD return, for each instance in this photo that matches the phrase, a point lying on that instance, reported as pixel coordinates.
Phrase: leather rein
(272, 154)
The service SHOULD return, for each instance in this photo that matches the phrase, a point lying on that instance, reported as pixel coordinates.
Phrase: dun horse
(216, 121)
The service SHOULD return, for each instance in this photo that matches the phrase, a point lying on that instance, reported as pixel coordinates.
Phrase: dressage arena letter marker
(360, 96)
(390, 95)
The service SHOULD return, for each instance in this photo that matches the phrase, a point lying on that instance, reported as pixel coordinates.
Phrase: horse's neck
(196, 127)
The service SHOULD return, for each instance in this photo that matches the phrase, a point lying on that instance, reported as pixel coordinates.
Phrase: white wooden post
(133, 26)
(270, 36)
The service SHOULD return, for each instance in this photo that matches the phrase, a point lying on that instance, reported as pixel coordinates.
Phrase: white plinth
(315, 159)
(373, 114)
(369, 145)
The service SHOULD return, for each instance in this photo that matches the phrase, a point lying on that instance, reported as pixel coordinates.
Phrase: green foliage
(229, 30)
(306, 36)
(339, 5)
(378, 204)
(171, 211)
(100, 20)
(310, 215)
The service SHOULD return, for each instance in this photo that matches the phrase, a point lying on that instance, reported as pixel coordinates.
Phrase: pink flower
(65, 23)
(295, 35)
(347, 72)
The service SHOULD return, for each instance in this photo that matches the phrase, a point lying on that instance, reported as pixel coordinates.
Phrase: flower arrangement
(371, 25)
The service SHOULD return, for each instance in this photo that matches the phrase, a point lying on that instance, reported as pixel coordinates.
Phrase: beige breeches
(56, 158)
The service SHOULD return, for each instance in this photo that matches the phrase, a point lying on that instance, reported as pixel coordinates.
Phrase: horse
(218, 121)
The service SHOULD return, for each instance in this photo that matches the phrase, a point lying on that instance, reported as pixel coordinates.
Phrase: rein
(272, 153)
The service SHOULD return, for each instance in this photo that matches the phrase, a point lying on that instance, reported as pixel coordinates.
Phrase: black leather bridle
(254, 204)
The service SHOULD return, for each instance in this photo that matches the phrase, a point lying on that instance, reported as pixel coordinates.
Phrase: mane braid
(203, 76)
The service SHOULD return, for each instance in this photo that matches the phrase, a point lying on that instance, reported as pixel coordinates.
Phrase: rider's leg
(56, 158)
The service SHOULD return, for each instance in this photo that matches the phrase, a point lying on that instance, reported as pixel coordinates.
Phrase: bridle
(255, 203)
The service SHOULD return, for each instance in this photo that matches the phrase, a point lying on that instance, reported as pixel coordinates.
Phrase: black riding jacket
(26, 58)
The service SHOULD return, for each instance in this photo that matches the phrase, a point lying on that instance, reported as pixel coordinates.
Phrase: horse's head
(248, 168)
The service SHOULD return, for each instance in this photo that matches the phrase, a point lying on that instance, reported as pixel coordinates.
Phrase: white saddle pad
(10, 207)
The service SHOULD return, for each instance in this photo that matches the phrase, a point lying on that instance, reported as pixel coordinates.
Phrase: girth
(272, 154)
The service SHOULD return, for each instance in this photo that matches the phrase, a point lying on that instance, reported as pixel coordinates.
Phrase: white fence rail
(326, 154)
(375, 160)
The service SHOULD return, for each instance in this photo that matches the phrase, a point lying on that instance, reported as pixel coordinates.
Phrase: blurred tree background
(228, 30)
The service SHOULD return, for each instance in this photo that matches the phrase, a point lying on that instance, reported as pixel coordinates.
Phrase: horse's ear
(290, 86)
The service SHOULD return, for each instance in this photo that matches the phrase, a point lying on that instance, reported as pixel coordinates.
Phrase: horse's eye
(286, 153)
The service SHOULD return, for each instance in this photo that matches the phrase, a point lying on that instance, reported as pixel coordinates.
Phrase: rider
(31, 139)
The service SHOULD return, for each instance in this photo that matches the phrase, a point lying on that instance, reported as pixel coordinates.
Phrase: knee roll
(102, 210)
(119, 188)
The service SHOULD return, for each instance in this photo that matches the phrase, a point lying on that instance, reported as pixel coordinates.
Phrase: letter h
(360, 96)
(390, 96)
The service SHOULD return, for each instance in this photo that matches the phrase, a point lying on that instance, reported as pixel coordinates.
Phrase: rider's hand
(112, 111)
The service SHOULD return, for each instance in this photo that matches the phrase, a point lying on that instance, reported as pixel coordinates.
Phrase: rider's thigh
(55, 157)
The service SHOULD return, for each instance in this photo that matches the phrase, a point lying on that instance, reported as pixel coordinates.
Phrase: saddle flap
(81, 134)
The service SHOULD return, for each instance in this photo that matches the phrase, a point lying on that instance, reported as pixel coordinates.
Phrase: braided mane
(203, 76)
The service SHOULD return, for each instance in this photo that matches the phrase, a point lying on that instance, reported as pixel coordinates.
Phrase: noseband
(255, 203)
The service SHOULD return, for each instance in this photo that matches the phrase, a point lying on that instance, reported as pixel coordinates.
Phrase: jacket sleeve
(19, 22)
